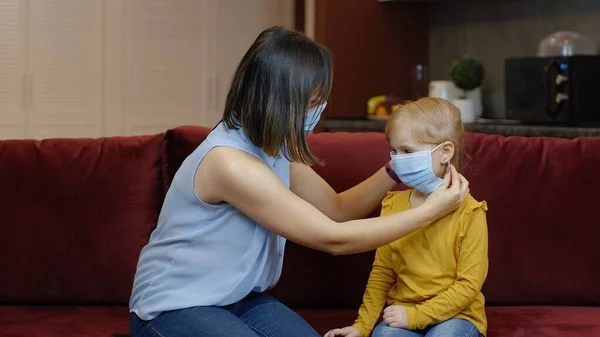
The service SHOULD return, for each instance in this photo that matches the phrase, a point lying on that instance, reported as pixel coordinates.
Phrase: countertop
(489, 127)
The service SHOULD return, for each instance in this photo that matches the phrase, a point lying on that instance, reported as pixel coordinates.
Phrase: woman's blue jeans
(256, 315)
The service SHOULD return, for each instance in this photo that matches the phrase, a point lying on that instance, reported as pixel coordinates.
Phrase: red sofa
(76, 212)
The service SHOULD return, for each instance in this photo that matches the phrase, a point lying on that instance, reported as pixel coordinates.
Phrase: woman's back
(202, 254)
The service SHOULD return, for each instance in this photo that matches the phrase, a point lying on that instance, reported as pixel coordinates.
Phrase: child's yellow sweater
(436, 272)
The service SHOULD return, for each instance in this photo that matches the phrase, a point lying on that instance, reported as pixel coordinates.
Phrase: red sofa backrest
(543, 196)
(75, 215)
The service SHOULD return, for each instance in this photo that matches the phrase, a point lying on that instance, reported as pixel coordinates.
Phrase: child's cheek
(437, 166)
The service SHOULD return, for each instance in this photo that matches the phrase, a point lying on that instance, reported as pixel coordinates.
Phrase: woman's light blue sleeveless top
(202, 254)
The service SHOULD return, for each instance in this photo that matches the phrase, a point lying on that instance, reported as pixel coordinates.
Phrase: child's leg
(383, 330)
(454, 327)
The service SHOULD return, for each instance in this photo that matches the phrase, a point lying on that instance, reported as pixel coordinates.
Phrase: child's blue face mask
(313, 116)
(415, 171)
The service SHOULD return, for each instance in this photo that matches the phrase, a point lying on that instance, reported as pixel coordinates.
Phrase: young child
(431, 279)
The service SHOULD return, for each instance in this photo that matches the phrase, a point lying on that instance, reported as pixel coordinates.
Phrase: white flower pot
(467, 109)
(444, 89)
(475, 96)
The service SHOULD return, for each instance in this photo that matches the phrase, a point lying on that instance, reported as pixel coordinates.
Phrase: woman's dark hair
(271, 89)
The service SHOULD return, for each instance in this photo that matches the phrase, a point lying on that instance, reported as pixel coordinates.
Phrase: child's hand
(395, 316)
(348, 331)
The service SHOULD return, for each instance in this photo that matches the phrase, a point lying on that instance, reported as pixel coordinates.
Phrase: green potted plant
(467, 74)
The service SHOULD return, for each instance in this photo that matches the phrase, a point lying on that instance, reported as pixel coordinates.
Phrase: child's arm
(381, 280)
(471, 273)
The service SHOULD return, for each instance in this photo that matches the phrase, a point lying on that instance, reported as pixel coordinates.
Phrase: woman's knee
(271, 318)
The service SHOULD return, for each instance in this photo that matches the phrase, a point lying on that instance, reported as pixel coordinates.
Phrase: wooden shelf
(364, 125)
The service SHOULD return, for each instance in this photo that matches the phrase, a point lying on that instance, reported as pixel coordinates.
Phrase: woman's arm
(233, 176)
(357, 202)
(381, 280)
(471, 273)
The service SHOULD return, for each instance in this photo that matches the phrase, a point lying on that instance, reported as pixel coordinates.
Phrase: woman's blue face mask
(313, 116)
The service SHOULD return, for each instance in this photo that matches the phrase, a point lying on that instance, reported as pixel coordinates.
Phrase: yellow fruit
(374, 102)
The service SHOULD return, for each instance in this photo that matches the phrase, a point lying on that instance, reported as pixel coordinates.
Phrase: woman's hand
(395, 316)
(449, 195)
(348, 331)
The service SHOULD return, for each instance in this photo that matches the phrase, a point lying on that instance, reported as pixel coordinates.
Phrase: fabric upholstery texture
(75, 214)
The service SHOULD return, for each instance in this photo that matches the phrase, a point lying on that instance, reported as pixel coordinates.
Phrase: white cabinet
(238, 24)
(64, 68)
(51, 68)
(170, 57)
(172, 65)
(13, 121)
(92, 68)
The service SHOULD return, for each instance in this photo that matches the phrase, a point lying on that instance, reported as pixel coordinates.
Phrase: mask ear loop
(437, 147)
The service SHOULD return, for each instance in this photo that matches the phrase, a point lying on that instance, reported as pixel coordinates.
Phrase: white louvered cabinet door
(64, 78)
(166, 64)
(13, 119)
(234, 29)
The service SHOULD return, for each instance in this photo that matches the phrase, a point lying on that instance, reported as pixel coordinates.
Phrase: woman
(245, 190)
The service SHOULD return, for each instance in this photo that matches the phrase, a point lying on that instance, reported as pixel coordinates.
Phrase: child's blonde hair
(432, 121)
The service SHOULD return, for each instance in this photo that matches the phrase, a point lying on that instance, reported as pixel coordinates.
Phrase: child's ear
(447, 152)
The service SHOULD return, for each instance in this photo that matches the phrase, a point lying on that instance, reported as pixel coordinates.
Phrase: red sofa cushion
(178, 144)
(313, 279)
(543, 197)
(75, 215)
(543, 225)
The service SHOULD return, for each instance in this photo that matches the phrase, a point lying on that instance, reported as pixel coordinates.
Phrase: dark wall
(375, 45)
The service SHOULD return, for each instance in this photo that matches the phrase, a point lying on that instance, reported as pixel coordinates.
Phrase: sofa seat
(22, 321)
(542, 321)
(48, 321)
(325, 320)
